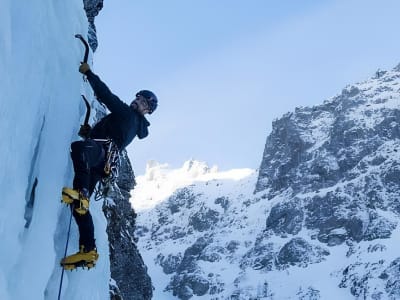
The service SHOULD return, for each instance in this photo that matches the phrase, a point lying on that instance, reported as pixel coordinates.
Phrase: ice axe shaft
(87, 116)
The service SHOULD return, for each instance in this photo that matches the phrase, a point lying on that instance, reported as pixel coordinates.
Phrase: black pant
(88, 158)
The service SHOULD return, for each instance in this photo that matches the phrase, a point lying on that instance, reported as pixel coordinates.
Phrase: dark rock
(192, 254)
(115, 293)
(185, 286)
(232, 246)
(392, 176)
(284, 151)
(92, 8)
(177, 233)
(189, 280)
(212, 253)
(127, 267)
(260, 257)
(378, 227)
(182, 199)
(223, 201)
(299, 252)
(376, 247)
(350, 92)
(308, 294)
(323, 216)
(392, 277)
(286, 218)
(204, 219)
(170, 263)
(357, 277)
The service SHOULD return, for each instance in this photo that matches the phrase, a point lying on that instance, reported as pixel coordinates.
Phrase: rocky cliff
(128, 270)
(92, 9)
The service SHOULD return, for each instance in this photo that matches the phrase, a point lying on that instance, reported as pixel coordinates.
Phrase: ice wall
(40, 112)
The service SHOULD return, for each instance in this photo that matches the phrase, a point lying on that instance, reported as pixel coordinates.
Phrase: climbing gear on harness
(111, 170)
(79, 199)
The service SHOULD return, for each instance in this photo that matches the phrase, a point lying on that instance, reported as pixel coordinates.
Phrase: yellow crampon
(83, 265)
(80, 259)
(71, 196)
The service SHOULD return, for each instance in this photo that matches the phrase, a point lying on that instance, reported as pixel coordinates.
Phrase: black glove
(84, 67)
(84, 131)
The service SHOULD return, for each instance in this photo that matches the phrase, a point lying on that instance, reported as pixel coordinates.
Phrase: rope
(65, 254)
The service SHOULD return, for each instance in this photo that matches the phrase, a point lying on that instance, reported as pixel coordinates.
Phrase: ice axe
(84, 131)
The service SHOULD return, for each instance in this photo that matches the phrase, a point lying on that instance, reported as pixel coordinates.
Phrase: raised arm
(104, 95)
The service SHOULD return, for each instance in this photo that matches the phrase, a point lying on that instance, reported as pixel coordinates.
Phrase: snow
(159, 181)
(243, 223)
(40, 111)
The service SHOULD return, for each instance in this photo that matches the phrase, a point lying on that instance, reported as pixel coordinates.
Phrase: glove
(84, 131)
(84, 67)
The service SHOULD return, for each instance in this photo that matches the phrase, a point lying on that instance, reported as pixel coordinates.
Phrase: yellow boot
(69, 195)
(80, 201)
(80, 259)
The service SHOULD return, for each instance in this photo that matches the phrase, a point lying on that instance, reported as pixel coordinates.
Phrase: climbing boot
(80, 259)
(80, 199)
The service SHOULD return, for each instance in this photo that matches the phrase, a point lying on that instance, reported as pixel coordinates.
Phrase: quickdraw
(111, 171)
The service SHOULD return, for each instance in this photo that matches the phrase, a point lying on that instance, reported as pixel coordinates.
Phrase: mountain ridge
(320, 212)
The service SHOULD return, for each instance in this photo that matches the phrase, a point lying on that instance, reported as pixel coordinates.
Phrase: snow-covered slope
(318, 221)
(177, 207)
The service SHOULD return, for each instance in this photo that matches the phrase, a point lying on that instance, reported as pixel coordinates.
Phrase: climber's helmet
(146, 101)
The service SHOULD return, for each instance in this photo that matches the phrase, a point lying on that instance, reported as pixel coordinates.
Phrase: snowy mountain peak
(160, 181)
(191, 169)
(323, 223)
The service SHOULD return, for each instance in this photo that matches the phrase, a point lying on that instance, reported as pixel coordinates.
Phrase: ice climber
(121, 126)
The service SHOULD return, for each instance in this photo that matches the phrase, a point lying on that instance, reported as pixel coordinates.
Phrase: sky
(224, 70)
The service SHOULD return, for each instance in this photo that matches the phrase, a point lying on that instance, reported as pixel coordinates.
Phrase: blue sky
(224, 70)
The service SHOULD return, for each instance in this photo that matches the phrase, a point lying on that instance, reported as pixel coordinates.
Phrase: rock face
(299, 252)
(92, 9)
(128, 270)
(344, 152)
(323, 210)
(338, 166)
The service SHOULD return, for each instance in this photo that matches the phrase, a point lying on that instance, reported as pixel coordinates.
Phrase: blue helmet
(150, 97)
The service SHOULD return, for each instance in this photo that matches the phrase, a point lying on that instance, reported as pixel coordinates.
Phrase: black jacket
(123, 123)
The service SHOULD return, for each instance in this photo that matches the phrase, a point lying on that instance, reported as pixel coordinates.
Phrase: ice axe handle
(85, 128)
(87, 110)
